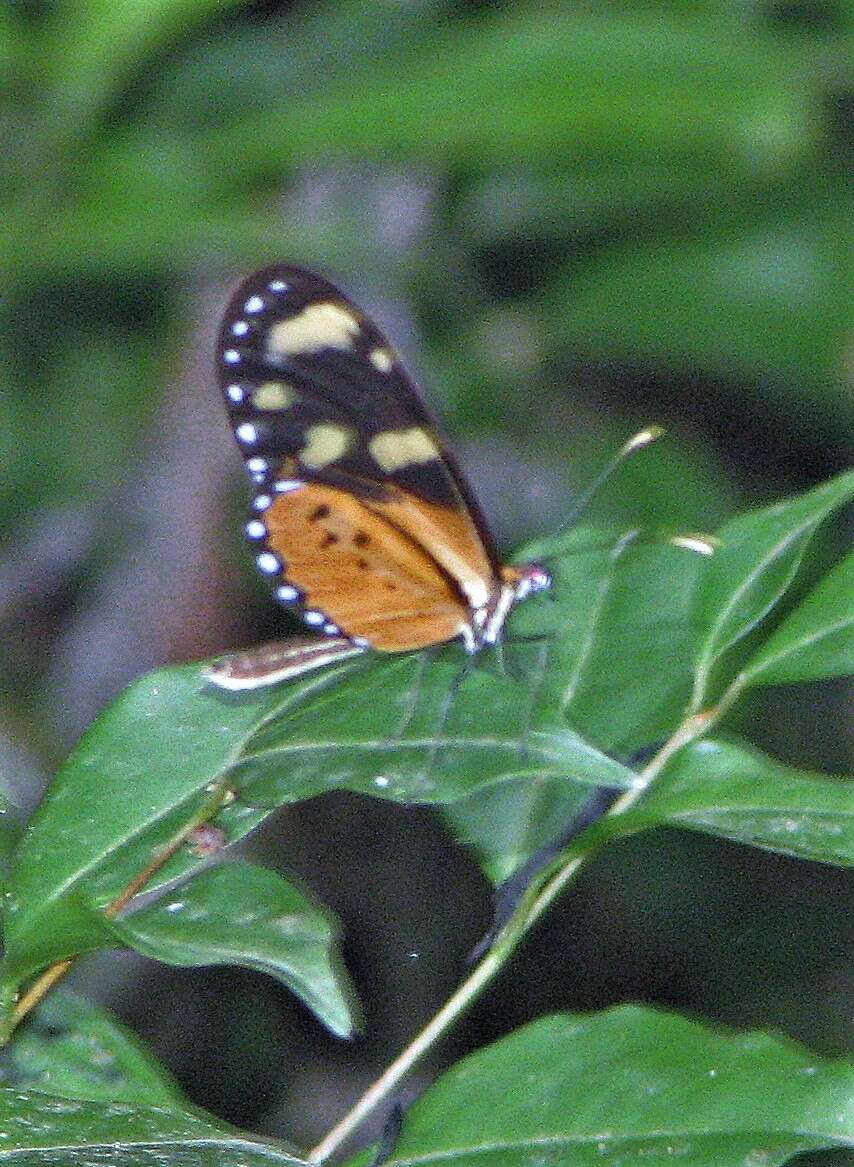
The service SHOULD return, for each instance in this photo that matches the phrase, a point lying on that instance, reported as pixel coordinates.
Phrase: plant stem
(35, 993)
(42, 985)
(429, 1035)
(530, 908)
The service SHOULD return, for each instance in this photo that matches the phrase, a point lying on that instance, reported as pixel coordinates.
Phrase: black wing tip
(263, 290)
(307, 281)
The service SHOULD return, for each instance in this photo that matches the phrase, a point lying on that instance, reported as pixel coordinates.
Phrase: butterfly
(361, 517)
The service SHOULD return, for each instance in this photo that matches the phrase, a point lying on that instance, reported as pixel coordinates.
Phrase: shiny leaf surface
(814, 641)
(244, 915)
(759, 555)
(39, 1129)
(72, 1048)
(630, 1085)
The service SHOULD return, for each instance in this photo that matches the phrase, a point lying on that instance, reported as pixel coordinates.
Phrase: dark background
(573, 220)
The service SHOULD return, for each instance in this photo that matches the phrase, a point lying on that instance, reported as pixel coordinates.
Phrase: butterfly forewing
(360, 514)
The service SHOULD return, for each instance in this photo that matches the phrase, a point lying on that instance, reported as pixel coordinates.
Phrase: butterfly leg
(508, 894)
(500, 659)
(444, 711)
(425, 658)
(537, 678)
(389, 1136)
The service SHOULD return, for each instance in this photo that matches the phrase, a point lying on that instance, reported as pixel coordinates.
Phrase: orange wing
(363, 568)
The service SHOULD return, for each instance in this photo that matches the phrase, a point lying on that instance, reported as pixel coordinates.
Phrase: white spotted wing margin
(312, 385)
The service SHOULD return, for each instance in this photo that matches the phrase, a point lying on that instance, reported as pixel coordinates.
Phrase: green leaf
(759, 556)
(71, 1048)
(515, 85)
(417, 728)
(508, 823)
(620, 664)
(543, 204)
(630, 1085)
(96, 45)
(814, 641)
(216, 81)
(138, 775)
(10, 835)
(755, 289)
(245, 915)
(38, 1129)
(98, 239)
(734, 791)
(420, 728)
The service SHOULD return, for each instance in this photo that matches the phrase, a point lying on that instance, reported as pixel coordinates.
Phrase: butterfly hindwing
(379, 585)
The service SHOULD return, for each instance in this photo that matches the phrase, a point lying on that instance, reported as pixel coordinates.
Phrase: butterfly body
(360, 514)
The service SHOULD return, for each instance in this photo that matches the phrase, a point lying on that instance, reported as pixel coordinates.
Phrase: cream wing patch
(382, 359)
(318, 326)
(325, 443)
(398, 448)
(274, 395)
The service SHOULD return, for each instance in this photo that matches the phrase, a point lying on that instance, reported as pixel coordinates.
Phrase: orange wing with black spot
(360, 515)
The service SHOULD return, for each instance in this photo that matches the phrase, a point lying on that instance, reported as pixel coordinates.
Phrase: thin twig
(42, 985)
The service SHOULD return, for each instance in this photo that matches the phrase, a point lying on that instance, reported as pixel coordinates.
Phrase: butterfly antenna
(698, 542)
(639, 441)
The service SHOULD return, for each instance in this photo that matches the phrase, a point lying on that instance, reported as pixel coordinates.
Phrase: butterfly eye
(534, 578)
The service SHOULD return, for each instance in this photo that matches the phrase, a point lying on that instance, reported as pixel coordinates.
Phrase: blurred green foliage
(657, 184)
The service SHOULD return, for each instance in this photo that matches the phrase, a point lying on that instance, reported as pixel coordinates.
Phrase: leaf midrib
(764, 663)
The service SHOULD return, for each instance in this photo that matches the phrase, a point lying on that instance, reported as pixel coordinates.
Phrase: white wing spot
(231, 356)
(381, 359)
(314, 618)
(257, 465)
(262, 501)
(255, 529)
(234, 393)
(287, 594)
(274, 395)
(239, 328)
(284, 485)
(246, 432)
(253, 304)
(268, 563)
(277, 286)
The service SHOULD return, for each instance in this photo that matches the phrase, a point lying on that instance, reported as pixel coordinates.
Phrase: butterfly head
(528, 580)
(487, 621)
